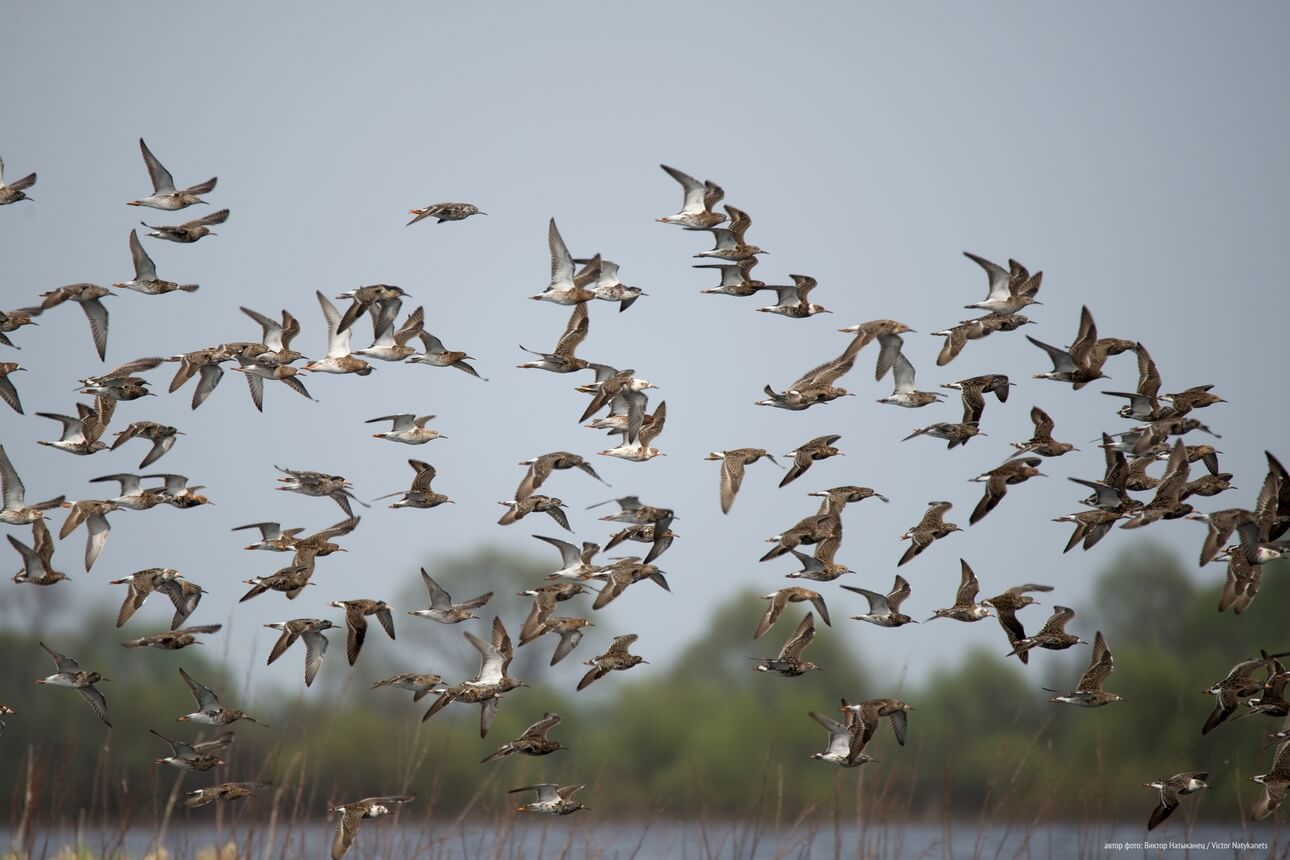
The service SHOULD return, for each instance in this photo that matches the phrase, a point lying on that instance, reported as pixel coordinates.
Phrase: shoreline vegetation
(988, 759)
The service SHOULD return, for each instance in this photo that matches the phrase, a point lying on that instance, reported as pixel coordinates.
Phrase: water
(580, 836)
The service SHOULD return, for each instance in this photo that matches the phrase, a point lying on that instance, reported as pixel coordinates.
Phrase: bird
(5, 711)
(1042, 441)
(884, 609)
(142, 583)
(1238, 682)
(905, 393)
(273, 537)
(408, 428)
(1083, 362)
(930, 528)
(310, 630)
(965, 607)
(608, 287)
(886, 332)
(189, 231)
(789, 663)
(1010, 290)
(729, 240)
(954, 434)
(380, 297)
(576, 562)
(956, 337)
(81, 434)
(209, 711)
(419, 685)
(437, 355)
(791, 301)
(442, 212)
(973, 391)
(570, 631)
(309, 483)
(164, 195)
(93, 513)
(532, 741)
(732, 470)
(1007, 604)
(1275, 783)
(8, 393)
(1088, 693)
(187, 756)
(540, 468)
(223, 791)
(518, 510)
(37, 559)
(255, 372)
(16, 511)
(145, 274)
(1171, 790)
(562, 359)
(567, 287)
(89, 297)
(390, 340)
(997, 481)
(339, 357)
(70, 674)
(846, 746)
(173, 640)
(353, 813)
(1052, 635)
(869, 714)
(552, 799)
(489, 683)
(614, 659)
(642, 448)
(356, 612)
(442, 609)
(162, 437)
(696, 207)
(735, 280)
(419, 495)
(811, 451)
(780, 599)
(15, 192)
(178, 494)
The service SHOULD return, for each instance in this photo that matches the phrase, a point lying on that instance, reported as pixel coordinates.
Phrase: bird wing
(1062, 360)
(694, 191)
(346, 830)
(63, 663)
(356, 631)
(542, 726)
(144, 269)
(205, 697)
(732, 476)
(162, 181)
(969, 586)
(561, 259)
(802, 636)
(337, 341)
(439, 598)
(96, 701)
(315, 648)
(575, 332)
(997, 276)
(1100, 665)
(900, 590)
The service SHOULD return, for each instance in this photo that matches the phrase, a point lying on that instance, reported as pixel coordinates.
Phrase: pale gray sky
(1134, 154)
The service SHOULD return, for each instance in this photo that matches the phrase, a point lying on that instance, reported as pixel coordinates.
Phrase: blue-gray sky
(1133, 154)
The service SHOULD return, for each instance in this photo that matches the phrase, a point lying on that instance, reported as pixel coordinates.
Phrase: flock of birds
(619, 404)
